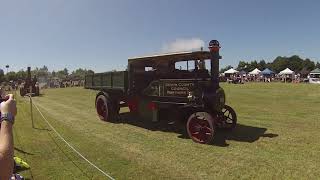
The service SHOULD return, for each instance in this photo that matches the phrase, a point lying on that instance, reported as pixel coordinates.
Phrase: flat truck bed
(107, 81)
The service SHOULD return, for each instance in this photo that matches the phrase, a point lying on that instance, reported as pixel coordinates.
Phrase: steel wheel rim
(200, 129)
(102, 109)
(227, 117)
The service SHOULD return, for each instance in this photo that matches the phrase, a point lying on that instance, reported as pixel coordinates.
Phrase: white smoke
(183, 45)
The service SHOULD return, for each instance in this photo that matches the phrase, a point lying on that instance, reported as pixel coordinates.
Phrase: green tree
(65, 71)
(269, 65)
(90, 72)
(295, 63)
(279, 64)
(43, 72)
(262, 65)
(243, 66)
(78, 73)
(11, 76)
(253, 65)
(21, 74)
(44, 68)
(308, 64)
(1, 75)
(62, 74)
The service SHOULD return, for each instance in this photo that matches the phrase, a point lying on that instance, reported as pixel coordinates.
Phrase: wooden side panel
(97, 81)
(107, 80)
(118, 79)
(88, 81)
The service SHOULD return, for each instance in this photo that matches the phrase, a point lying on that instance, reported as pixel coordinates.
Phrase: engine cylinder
(214, 100)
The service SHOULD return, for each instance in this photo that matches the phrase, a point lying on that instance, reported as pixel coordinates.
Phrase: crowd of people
(237, 78)
(234, 76)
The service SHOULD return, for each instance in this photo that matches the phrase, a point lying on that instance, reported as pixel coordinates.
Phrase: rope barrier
(84, 158)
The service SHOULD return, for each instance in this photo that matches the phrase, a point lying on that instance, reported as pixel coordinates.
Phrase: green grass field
(277, 138)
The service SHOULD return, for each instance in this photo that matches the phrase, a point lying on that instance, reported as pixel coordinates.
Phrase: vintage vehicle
(30, 85)
(315, 76)
(175, 83)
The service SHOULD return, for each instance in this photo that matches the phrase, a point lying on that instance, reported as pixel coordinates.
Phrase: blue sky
(102, 34)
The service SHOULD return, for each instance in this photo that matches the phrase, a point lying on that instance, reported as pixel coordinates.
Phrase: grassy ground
(277, 138)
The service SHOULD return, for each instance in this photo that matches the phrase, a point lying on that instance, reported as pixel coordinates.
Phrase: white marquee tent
(231, 71)
(256, 71)
(286, 71)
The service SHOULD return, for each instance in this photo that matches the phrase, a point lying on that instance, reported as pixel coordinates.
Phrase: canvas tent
(267, 71)
(286, 71)
(231, 71)
(243, 72)
(287, 74)
(315, 71)
(256, 71)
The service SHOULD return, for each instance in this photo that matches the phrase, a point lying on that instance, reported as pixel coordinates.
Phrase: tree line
(295, 63)
(63, 74)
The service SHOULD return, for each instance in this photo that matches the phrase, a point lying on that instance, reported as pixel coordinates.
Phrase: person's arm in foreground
(6, 138)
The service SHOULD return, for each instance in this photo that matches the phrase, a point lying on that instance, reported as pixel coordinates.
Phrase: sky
(102, 34)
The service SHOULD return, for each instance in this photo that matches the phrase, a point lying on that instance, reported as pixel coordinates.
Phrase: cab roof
(177, 56)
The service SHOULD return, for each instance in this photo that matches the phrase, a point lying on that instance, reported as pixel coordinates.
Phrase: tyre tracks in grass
(132, 151)
(44, 155)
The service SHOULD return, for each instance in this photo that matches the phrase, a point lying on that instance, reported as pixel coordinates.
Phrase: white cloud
(183, 45)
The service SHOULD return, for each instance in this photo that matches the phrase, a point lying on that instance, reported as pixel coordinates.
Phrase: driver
(201, 65)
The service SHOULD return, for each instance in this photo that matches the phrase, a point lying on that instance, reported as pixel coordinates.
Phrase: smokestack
(28, 80)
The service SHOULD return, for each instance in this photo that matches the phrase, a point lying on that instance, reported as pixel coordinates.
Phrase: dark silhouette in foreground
(241, 133)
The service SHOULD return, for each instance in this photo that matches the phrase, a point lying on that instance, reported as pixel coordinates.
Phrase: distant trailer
(315, 76)
(314, 80)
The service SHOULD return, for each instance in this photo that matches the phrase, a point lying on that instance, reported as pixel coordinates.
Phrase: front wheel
(201, 128)
(227, 118)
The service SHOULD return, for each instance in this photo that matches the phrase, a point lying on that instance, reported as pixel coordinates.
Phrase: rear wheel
(105, 108)
(200, 127)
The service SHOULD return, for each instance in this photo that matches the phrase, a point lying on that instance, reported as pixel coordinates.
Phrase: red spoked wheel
(102, 107)
(133, 104)
(227, 118)
(200, 127)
